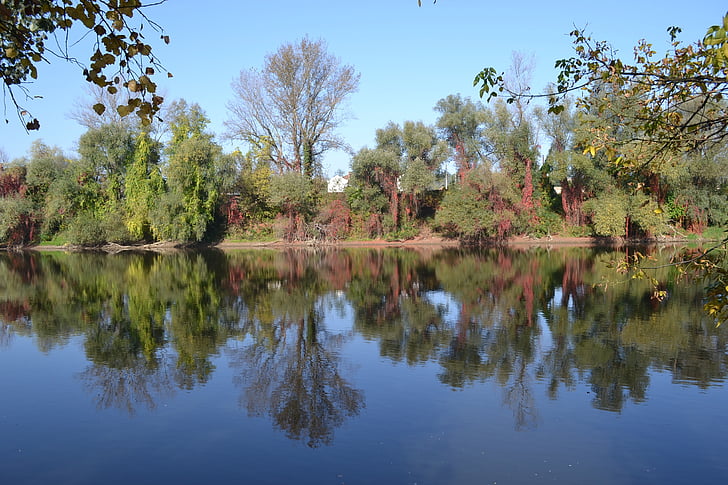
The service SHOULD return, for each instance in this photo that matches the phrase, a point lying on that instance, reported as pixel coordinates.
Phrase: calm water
(356, 367)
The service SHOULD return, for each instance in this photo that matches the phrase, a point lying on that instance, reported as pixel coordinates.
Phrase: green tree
(143, 186)
(460, 123)
(194, 182)
(373, 185)
(105, 152)
(579, 175)
(416, 180)
(45, 165)
(422, 157)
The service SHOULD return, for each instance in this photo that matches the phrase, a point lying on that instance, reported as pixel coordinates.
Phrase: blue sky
(408, 57)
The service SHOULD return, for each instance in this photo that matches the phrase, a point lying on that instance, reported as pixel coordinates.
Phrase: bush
(334, 219)
(407, 231)
(86, 230)
(17, 221)
(114, 230)
(609, 214)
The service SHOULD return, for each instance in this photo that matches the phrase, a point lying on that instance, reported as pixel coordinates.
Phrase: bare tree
(85, 114)
(291, 108)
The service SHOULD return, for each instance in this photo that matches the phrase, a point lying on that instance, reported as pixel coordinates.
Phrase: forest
(586, 165)
(128, 186)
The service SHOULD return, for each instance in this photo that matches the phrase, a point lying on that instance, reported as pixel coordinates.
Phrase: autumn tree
(17, 221)
(32, 32)
(292, 107)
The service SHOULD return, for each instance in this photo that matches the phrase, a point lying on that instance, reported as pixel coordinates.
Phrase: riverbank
(429, 241)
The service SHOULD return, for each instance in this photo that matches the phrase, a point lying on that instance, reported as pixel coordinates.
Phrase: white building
(337, 183)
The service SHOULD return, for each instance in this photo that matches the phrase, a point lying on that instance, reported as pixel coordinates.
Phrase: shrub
(86, 230)
(334, 219)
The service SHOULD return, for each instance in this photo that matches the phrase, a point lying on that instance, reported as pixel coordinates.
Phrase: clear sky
(408, 57)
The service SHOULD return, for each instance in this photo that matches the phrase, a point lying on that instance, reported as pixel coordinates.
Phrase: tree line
(172, 181)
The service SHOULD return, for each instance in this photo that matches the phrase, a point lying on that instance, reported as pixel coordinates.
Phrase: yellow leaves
(592, 150)
(123, 110)
(99, 108)
(147, 84)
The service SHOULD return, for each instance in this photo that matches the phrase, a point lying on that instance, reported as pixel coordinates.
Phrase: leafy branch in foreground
(34, 31)
(646, 116)
(678, 98)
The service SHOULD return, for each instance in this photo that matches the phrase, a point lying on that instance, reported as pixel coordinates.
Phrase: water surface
(356, 366)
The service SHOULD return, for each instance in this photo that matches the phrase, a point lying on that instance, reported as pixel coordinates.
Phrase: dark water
(356, 367)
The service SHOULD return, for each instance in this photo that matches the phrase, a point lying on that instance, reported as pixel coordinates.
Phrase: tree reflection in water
(525, 319)
(295, 379)
(290, 367)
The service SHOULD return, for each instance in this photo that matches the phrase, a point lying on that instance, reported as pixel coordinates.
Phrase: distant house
(338, 183)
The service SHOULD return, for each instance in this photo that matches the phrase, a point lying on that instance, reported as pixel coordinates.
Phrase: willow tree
(292, 107)
(460, 123)
(193, 175)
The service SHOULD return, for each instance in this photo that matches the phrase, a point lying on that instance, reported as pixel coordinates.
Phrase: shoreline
(432, 241)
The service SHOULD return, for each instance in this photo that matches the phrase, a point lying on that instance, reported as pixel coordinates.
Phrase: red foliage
(527, 191)
(12, 184)
(24, 231)
(234, 214)
(335, 219)
(461, 159)
(12, 181)
(373, 225)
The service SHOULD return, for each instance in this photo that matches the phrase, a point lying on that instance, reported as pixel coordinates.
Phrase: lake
(357, 366)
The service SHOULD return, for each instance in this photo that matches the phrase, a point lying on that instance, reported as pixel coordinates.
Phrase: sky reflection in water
(355, 366)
